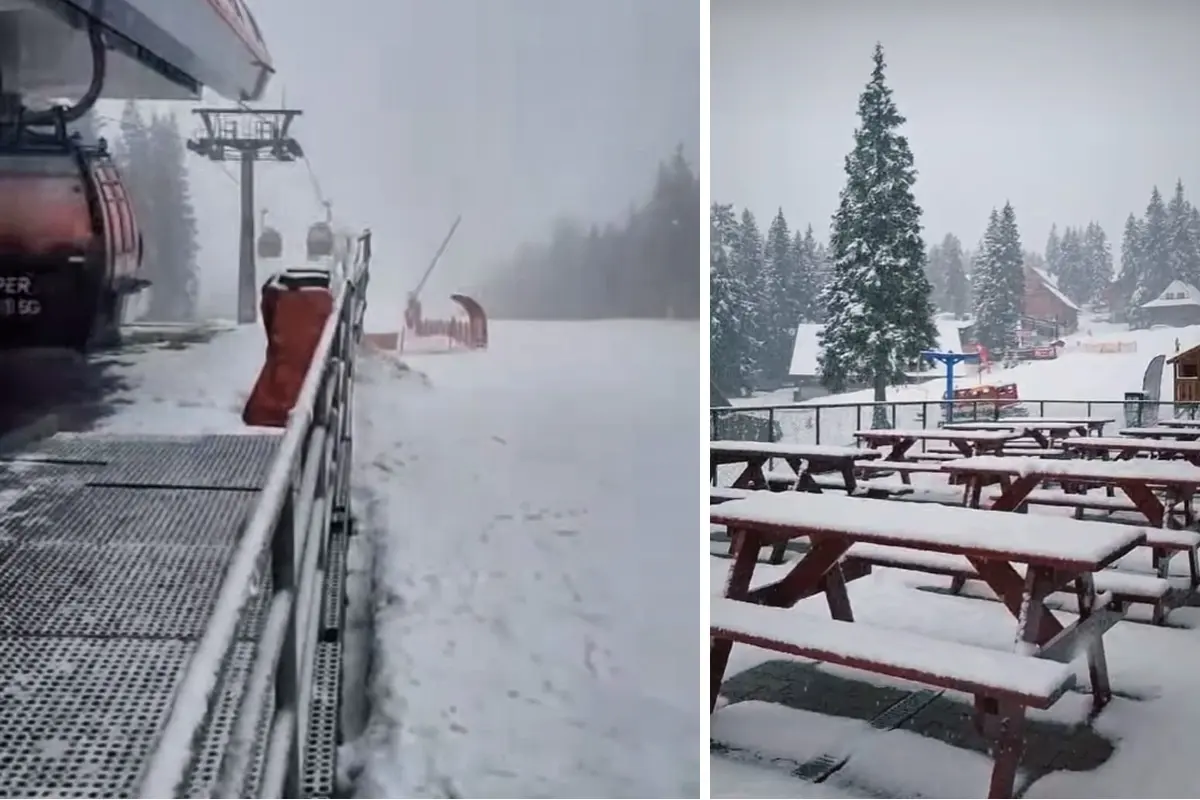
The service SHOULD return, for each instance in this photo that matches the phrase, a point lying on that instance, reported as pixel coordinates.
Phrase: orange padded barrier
(294, 318)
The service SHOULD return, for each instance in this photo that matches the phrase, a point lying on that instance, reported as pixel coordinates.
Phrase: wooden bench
(778, 481)
(1124, 587)
(723, 494)
(905, 468)
(1004, 684)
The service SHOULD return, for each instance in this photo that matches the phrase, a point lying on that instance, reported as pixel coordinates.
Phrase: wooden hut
(1187, 375)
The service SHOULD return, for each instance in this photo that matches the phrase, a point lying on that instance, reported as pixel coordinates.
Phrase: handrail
(306, 490)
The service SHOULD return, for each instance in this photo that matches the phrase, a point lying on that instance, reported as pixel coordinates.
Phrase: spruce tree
(1132, 262)
(1155, 252)
(174, 272)
(956, 276)
(999, 282)
(1053, 244)
(935, 272)
(803, 288)
(1099, 260)
(729, 306)
(778, 312)
(747, 256)
(880, 316)
(1183, 260)
(1073, 277)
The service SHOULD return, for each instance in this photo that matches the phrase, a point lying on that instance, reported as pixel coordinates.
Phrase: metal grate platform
(112, 549)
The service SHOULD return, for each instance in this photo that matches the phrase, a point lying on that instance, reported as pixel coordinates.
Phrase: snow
(790, 449)
(807, 347)
(1025, 538)
(1021, 424)
(1137, 441)
(1139, 469)
(1177, 293)
(536, 595)
(1158, 431)
(1158, 694)
(939, 434)
(857, 641)
(1052, 286)
(169, 388)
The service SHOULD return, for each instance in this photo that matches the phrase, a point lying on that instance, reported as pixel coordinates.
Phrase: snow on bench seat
(721, 494)
(928, 455)
(936, 434)
(899, 466)
(1142, 470)
(906, 558)
(788, 449)
(1051, 497)
(1026, 538)
(1122, 585)
(1134, 443)
(989, 673)
(1022, 424)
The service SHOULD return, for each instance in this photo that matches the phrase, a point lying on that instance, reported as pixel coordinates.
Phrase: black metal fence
(835, 423)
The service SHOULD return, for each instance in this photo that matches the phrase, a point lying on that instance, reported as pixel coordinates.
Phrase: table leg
(746, 545)
(1039, 437)
(1011, 498)
(1145, 501)
(836, 595)
(752, 476)
(1023, 597)
(805, 579)
(1085, 593)
(900, 450)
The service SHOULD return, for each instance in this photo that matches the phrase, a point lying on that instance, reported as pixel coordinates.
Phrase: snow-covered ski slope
(1151, 667)
(1074, 379)
(534, 511)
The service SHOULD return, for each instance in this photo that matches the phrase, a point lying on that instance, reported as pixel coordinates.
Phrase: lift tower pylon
(247, 135)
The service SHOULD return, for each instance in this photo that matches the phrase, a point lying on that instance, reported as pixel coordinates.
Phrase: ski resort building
(1046, 303)
(1178, 306)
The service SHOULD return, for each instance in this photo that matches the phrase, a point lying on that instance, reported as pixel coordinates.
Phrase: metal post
(228, 134)
(247, 299)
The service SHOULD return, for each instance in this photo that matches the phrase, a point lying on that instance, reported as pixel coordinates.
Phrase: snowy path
(524, 649)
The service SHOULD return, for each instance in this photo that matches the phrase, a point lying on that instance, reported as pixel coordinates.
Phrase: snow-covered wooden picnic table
(804, 459)
(1095, 425)
(1124, 448)
(1162, 432)
(1045, 431)
(1055, 552)
(1135, 478)
(1179, 423)
(967, 442)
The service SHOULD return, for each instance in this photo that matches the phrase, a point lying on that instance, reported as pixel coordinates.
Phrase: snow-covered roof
(807, 346)
(1178, 293)
(805, 349)
(1051, 284)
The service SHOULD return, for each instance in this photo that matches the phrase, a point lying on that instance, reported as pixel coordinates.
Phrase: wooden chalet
(1045, 302)
(1187, 375)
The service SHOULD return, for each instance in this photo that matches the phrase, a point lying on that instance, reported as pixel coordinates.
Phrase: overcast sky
(1072, 110)
(511, 112)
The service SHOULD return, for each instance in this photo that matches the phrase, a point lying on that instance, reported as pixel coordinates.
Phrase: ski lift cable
(312, 177)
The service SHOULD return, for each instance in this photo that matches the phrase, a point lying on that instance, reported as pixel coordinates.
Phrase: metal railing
(305, 496)
(835, 423)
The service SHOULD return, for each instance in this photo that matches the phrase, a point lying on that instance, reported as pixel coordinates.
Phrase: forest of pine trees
(644, 268)
(876, 287)
(760, 290)
(152, 156)
(1160, 246)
